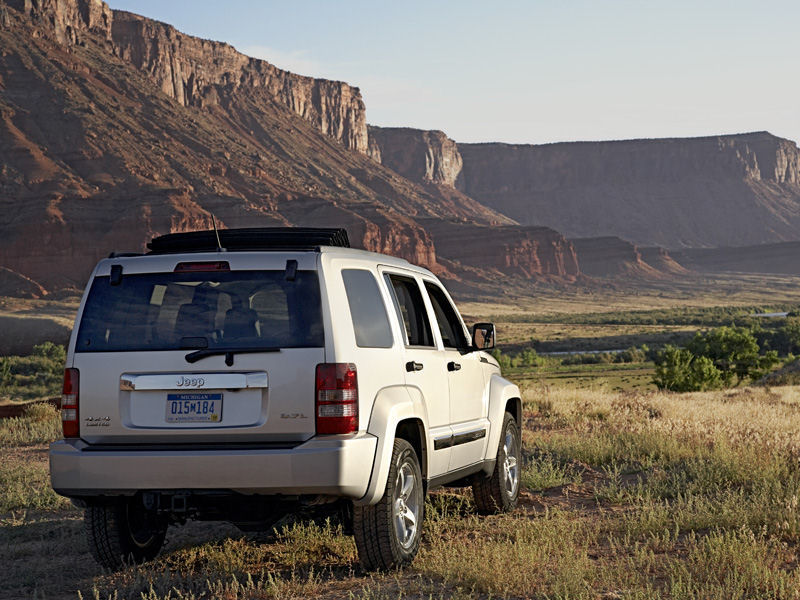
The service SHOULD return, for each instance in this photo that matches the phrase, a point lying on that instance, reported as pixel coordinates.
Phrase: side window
(411, 310)
(367, 310)
(446, 316)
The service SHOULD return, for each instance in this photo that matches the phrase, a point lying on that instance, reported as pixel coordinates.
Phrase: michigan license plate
(195, 407)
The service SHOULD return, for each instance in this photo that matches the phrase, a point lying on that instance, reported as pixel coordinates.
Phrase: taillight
(337, 398)
(69, 404)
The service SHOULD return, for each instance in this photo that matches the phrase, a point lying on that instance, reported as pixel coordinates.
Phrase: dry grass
(555, 337)
(627, 496)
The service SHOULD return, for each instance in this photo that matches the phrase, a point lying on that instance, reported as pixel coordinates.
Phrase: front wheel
(123, 533)
(388, 533)
(499, 492)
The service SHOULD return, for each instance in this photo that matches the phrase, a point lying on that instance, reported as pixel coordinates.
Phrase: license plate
(196, 407)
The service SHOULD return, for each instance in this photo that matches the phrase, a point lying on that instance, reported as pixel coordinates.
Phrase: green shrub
(528, 358)
(504, 360)
(52, 352)
(679, 370)
(37, 375)
(734, 351)
(632, 355)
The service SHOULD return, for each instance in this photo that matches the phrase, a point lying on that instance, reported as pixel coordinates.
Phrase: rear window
(370, 323)
(174, 311)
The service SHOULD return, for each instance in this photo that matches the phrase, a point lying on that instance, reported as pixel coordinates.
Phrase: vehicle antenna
(216, 232)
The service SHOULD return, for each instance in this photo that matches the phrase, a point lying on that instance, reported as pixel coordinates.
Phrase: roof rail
(116, 254)
(253, 238)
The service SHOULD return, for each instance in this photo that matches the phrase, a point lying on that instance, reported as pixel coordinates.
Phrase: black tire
(384, 533)
(123, 533)
(499, 492)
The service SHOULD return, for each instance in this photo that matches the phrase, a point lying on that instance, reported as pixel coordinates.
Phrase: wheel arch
(504, 397)
(514, 407)
(396, 412)
(413, 431)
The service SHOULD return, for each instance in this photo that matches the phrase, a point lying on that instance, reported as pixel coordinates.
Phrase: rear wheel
(388, 533)
(123, 533)
(499, 492)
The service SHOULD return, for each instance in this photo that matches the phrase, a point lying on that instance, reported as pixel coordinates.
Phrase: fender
(501, 390)
(392, 405)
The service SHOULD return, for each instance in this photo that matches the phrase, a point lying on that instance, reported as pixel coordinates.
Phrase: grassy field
(732, 289)
(25, 322)
(627, 495)
(623, 377)
(628, 492)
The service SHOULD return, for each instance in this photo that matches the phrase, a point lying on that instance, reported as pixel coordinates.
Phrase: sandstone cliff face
(726, 190)
(67, 19)
(202, 73)
(530, 252)
(424, 156)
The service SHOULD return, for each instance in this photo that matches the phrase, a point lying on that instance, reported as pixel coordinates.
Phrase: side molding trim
(462, 438)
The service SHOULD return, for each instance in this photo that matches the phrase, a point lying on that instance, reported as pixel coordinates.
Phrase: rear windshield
(174, 311)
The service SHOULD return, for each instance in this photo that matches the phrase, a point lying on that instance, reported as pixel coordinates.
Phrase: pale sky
(530, 72)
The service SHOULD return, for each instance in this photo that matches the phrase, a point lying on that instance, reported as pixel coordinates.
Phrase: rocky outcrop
(202, 73)
(369, 227)
(699, 192)
(661, 260)
(530, 252)
(67, 20)
(423, 156)
(16, 285)
(612, 257)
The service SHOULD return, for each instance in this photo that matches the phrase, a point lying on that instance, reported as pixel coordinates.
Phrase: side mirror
(483, 337)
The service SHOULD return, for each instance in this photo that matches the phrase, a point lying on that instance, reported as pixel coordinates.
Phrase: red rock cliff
(531, 252)
(203, 73)
(198, 72)
(66, 19)
(727, 190)
(424, 156)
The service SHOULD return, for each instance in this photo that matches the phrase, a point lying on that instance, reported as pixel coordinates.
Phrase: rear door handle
(453, 366)
(413, 366)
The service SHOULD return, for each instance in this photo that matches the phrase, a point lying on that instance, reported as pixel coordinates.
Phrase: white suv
(254, 373)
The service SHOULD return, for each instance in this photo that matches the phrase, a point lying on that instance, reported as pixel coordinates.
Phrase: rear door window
(410, 310)
(173, 311)
(367, 310)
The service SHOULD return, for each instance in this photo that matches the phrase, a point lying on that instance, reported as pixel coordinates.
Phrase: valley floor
(627, 495)
(628, 492)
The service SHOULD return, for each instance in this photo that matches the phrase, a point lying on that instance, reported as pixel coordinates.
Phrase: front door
(468, 399)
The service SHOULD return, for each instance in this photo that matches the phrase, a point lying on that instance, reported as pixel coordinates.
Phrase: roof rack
(253, 238)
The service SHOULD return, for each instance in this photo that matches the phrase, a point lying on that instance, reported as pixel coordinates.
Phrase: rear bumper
(335, 465)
